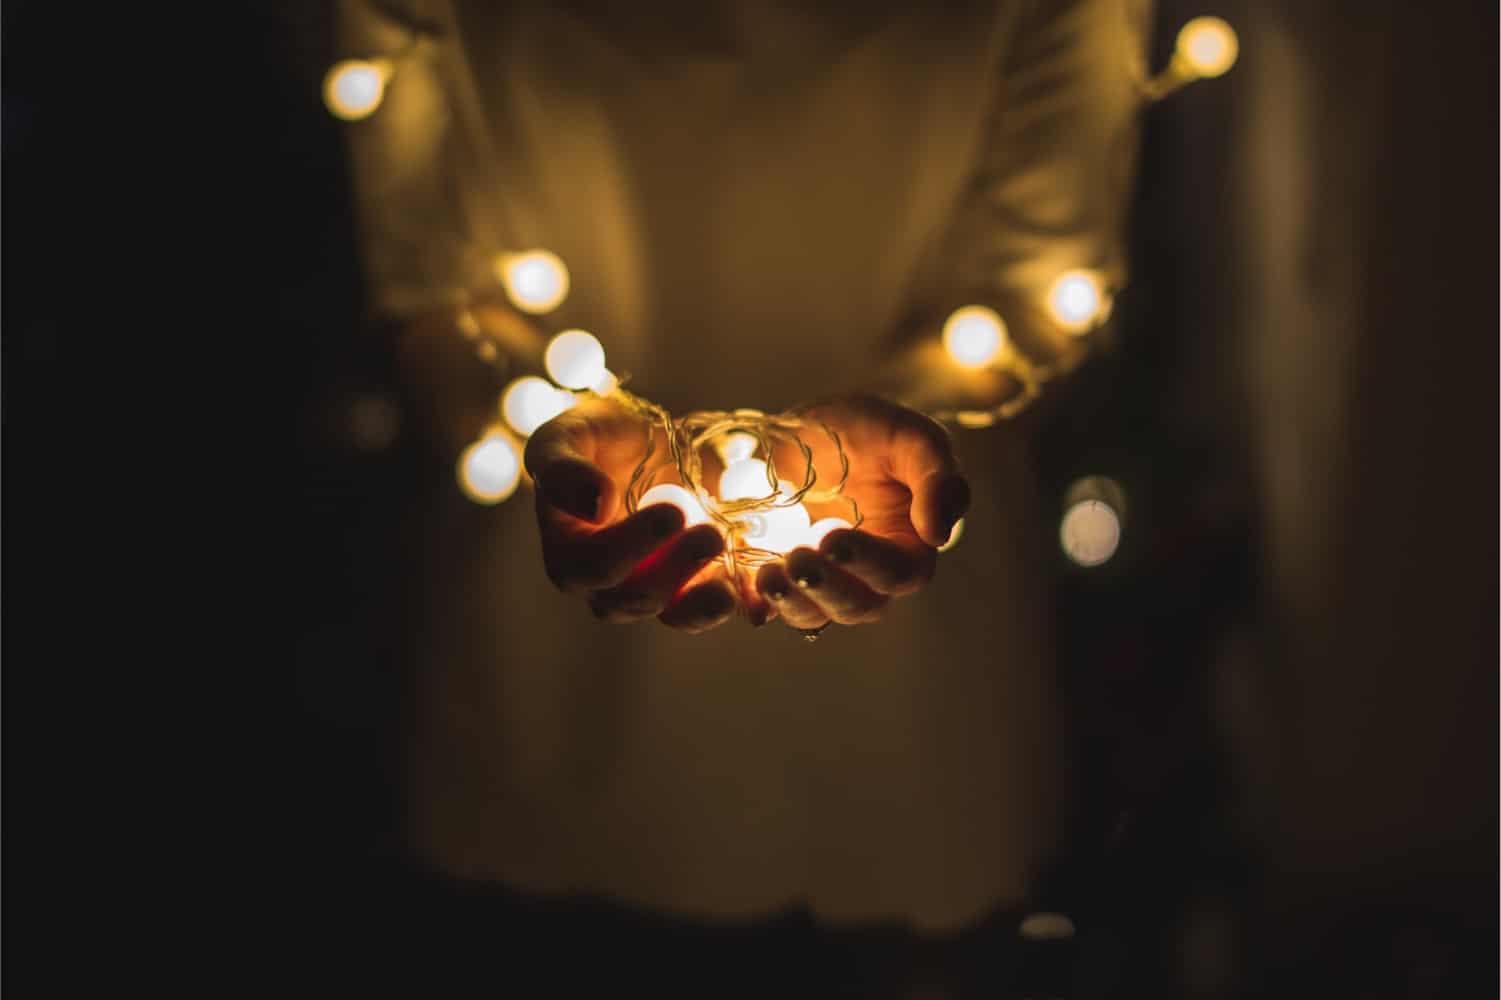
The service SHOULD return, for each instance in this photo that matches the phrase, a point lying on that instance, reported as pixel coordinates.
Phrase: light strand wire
(688, 436)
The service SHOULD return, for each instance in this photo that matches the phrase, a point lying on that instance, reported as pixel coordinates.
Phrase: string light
(354, 88)
(1090, 532)
(1094, 508)
(974, 336)
(823, 527)
(778, 529)
(762, 514)
(529, 402)
(671, 493)
(489, 470)
(746, 479)
(1076, 301)
(1207, 46)
(535, 281)
(575, 359)
(736, 446)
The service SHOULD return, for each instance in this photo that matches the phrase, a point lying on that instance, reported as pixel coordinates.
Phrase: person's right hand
(629, 567)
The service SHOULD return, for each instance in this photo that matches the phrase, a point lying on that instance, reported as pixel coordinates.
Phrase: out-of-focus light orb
(576, 359)
(1046, 927)
(1090, 532)
(777, 529)
(536, 281)
(955, 534)
(529, 402)
(490, 469)
(1076, 301)
(744, 480)
(736, 446)
(824, 527)
(974, 336)
(1208, 46)
(354, 88)
(672, 493)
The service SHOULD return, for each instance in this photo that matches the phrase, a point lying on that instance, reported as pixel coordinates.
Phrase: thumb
(561, 457)
(923, 461)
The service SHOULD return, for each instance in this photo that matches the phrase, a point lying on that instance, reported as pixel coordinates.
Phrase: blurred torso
(741, 202)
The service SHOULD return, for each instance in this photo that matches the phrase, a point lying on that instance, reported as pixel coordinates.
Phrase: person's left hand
(903, 475)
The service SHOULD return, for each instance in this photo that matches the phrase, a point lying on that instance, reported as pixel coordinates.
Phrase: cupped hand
(903, 475)
(629, 567)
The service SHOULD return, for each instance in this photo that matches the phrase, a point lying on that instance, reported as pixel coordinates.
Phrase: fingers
(843, 597)
(700, 607)
(758, 609)
(792, 605)
(653, 585)
(883, 565)
(578, 561)
(561, 457)
(922, 460)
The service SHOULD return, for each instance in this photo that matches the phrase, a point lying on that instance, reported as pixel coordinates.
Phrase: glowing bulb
(736, 446)
(1090, 532)
(354, 88)
(1046, 927)
(530, 402)
(490, 469)
(777, 529)
(535, 281)
(575, 359)
(672, 493)
(1076, 301)
(1207, 46)
(744, 480)
(974, 336)
(822, 528)
(955, 533)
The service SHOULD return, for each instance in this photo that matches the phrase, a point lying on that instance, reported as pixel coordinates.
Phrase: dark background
(1283, 689)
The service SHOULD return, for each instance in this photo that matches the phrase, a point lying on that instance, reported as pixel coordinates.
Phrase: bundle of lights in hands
(761, 514)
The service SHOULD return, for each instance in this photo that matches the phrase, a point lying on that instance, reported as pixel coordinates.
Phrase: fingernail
(953, 501)
(776, 592)
(809, 578)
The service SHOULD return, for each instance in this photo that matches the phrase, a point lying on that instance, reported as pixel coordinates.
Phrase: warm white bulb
(955, 533)
(354, 88)
(672, 493)
(822, 528)
(1090, 532)
(576, 359)
(1208, 46)
(974, 336)
(490, 469)
(1076, 301)
(744, 480)
(530, 402)
(535, 281)
(736, 446)
(777, 529)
